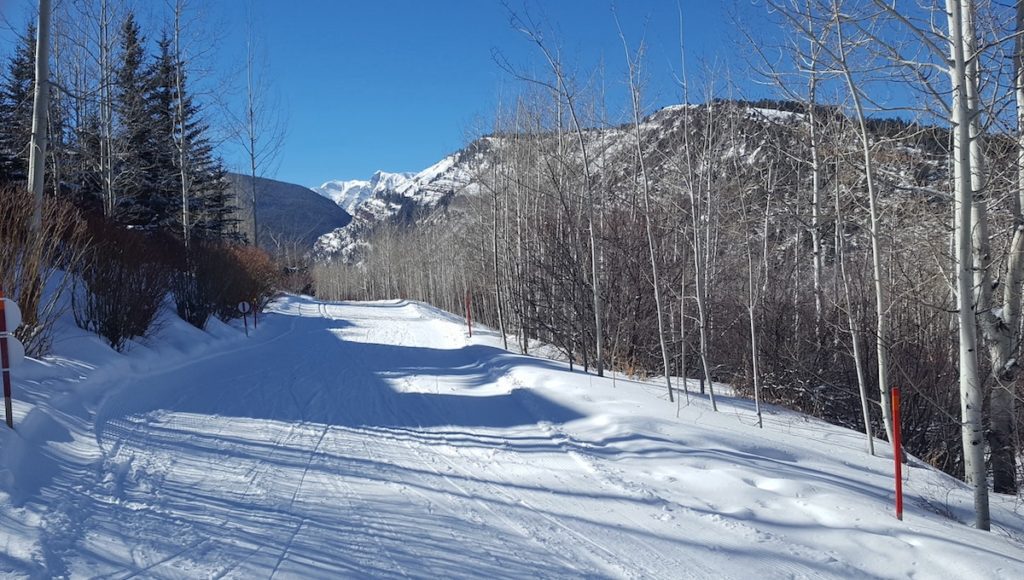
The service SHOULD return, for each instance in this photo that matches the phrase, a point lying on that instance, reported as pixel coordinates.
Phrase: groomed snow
(378, 440)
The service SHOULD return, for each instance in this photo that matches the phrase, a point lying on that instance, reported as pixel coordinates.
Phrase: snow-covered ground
(378, 440)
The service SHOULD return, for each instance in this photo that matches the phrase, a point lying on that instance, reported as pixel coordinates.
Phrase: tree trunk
(881, 299)
(645, 185)
(971, 395)
(1001, 400)
(40, 110)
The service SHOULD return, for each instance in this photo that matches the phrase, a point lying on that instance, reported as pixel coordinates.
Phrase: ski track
(378, 440)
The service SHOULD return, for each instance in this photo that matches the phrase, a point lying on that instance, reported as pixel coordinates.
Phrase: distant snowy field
(378, 440)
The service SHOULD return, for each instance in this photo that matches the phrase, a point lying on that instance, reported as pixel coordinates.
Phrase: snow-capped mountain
(350, 193)
(347, 194)
(434, 194)
(388, 197)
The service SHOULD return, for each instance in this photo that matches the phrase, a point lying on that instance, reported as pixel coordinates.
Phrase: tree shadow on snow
(317, 376)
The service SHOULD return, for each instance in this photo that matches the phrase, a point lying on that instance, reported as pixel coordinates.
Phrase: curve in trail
(378, 440)
(266, 459)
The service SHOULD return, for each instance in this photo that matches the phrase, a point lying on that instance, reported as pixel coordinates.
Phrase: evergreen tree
(16, 97)
(136, 157)
(177, 127)
(162, 174)
(85, 175)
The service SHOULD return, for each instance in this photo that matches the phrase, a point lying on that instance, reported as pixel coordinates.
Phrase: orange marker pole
(5, 364)
(897, 448)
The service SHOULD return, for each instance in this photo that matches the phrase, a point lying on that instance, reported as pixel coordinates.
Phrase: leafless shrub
(214, 278)
(123, 280)
(32, 264)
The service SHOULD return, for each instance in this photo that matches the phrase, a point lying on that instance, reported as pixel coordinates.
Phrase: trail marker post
(245, 308)
(11, 350)
(897, 451)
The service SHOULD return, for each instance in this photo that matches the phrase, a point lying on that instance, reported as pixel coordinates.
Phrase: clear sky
(398, 84)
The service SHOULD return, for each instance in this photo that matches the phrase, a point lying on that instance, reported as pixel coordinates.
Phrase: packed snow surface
(379, 440)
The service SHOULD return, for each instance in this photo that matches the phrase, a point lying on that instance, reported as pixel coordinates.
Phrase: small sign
(15, 350)
(244, 307)
(12, 314)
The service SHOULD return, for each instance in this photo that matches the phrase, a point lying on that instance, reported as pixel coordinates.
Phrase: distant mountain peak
(351, 193)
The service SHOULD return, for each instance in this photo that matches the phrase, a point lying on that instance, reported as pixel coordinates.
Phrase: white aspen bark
(250, 118)
(704, 276)
(999, 328)
(881, 300)
(106, 113)
(645, 184)
(752, 300)
(40, 111)
(682, 328)
(816, 228)
(971, 395)
(1001, 400)
(182, 141)
(699, 257)
(595, 246)
(497, 275)
(851, 318)
(812, 94)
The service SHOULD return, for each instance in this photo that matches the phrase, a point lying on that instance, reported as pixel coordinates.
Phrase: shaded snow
(376, 439)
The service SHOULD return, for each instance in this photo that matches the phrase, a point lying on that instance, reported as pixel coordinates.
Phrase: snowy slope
(347, 194)
(377, 440)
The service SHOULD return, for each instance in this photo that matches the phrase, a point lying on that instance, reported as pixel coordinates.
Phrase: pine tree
(16, 110)
(162, 175)
(136, 157)
(176, 122)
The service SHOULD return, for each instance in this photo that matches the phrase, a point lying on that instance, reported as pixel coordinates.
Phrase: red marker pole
(5, 364)
(897, 451)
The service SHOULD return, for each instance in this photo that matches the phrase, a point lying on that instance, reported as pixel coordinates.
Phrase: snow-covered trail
(377, 440)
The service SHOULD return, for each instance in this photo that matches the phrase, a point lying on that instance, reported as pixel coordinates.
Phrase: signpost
(245, 308)
(897, 451)
(11, 350)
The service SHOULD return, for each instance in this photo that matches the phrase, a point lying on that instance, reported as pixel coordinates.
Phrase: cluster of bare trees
(813, 252)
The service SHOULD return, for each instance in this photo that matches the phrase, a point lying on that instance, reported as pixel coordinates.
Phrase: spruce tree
(16, 110)
(136, 157)
(162, 175)
(176, 122)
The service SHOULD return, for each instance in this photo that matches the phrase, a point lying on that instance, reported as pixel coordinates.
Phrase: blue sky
(398, 84)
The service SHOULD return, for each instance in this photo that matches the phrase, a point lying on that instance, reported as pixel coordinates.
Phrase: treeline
(137, 204)
(126, 137)
(521, 249)
(804, 253)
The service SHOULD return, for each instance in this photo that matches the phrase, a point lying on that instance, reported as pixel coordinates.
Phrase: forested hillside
(800, 249)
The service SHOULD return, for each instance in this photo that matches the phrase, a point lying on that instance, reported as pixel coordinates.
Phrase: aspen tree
(634, 89)
(40, 109)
